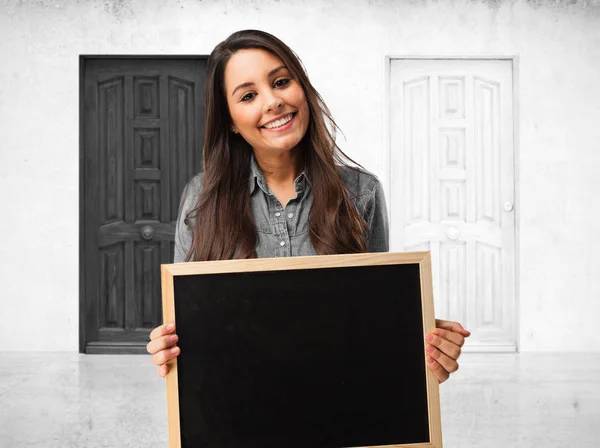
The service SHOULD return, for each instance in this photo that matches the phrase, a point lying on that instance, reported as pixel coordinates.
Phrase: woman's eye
(281, 82)
(248, 97)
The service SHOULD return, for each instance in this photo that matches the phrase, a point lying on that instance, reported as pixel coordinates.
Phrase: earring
(233, 130)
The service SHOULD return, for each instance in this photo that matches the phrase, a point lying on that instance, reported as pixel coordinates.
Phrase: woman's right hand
(162, 347)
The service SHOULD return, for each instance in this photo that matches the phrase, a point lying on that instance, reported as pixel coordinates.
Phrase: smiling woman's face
(268, 107)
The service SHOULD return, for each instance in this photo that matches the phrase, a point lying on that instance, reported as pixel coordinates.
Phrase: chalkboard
(323, 351)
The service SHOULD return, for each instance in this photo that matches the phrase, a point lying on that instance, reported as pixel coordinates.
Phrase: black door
(142, 128)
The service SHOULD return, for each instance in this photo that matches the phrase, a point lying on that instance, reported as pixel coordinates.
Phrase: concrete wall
(343, 44)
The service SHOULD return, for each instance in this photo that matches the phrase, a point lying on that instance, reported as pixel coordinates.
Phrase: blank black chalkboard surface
(311, 352)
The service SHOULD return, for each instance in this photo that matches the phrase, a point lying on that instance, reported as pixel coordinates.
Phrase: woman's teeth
(279, 123)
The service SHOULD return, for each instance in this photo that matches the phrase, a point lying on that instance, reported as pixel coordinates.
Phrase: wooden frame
(169, 272)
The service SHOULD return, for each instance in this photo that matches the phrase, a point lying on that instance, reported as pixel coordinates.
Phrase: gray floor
(500, 400)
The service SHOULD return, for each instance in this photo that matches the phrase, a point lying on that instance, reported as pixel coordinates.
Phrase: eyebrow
(248, 84)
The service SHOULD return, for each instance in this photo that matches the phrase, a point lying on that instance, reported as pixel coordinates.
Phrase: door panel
(453, 187)
(143, 127)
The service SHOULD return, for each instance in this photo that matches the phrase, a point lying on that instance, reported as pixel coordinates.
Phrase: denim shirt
(284, 231)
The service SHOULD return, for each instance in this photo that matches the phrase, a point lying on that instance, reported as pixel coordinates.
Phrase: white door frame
(387, 152)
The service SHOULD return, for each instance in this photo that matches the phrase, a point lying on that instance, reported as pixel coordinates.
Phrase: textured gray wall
(343, 44)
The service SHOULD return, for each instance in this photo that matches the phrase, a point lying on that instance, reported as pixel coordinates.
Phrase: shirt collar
(257, 177)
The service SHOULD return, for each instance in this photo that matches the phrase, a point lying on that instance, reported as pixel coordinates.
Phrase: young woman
(275, 183)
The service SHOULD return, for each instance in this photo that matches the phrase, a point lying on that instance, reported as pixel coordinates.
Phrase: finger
(162, 343)
(451, 336)
(161, 330)
(163, 370)
(445, 346)
(450, 365)
(440, 373)
(452, 326)
(165, 356)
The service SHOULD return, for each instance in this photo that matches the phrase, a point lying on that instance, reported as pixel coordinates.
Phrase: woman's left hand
(443, 348)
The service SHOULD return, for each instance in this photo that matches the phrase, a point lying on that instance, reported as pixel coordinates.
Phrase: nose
(273, 103)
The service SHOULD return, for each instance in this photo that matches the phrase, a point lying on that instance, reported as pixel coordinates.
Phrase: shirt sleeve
(183, 231)
(377, 220)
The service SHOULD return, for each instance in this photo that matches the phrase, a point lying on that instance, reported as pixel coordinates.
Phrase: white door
(452, 187)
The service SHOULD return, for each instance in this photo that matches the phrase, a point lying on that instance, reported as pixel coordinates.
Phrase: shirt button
(290, 215)
(278, 214)
(282, 243)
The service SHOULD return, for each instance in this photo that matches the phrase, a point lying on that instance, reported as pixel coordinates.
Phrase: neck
(281, 168)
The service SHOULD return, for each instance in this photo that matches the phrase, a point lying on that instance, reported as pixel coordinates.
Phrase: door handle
(147, 233)
(452, 233)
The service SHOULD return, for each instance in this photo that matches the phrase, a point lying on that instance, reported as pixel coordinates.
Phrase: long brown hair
(224, 227)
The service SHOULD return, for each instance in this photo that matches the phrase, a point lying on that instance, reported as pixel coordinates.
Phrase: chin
(290, 146)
